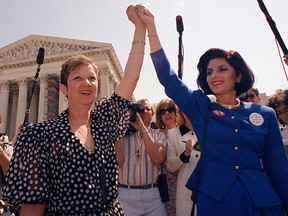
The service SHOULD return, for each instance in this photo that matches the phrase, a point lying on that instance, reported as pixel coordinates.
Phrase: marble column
(4, 98)
(42, 98)
(104, 79)
(63, 102)
(22, 101)
(111, 88)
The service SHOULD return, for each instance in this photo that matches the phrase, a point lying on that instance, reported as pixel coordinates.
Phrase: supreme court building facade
(17, 73)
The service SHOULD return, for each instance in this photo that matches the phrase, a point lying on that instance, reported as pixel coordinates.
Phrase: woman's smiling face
(221, 77)
(81, 86)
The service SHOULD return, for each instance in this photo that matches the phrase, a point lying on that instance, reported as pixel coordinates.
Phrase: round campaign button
(256, 119)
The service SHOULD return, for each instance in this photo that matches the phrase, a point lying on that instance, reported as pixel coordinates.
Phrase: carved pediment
(26, 49)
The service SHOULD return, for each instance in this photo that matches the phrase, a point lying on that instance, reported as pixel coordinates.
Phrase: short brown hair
(73, 63)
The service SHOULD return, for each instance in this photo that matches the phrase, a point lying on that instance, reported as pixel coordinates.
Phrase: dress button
(236, 130)
(237, 167)
(236, 148)
(196, 155)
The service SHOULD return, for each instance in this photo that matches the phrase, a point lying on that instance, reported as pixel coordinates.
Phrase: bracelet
(138, 41)
(152, 35)
(143, 132)
(136, 53)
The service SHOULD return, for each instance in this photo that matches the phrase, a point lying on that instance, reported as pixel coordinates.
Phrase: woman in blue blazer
(239, 137)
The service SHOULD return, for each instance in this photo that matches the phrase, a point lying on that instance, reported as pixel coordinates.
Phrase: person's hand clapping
(189, 146)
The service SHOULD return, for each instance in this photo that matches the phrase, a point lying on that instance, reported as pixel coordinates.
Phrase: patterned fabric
(139, 169)
(172, 182)
(50, 166)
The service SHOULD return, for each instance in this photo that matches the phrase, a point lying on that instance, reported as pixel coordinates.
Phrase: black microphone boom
(180, 29)
(40, 56)
(273, 27)
(39, 61)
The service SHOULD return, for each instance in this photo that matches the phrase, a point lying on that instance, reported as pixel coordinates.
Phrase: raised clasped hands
(132, 15)
(139, 13)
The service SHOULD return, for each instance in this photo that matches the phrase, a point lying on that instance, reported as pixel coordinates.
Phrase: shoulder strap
(200, 160)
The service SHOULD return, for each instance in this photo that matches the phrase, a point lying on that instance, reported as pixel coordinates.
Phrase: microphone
(179, 24)
(39, 61)
(180, 29)
(40, 56)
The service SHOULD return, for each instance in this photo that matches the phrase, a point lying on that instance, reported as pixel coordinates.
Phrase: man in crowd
(252, 95)
(139, 155)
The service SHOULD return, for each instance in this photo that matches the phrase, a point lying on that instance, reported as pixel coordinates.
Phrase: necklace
(89, 148)
(229, 106)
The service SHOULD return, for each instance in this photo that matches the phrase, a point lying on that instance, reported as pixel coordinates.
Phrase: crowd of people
(104, 156)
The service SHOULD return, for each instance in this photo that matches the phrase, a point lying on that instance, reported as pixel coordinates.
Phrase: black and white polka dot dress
(50, 166)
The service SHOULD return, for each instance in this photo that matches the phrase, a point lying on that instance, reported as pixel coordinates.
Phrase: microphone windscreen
(40, 56)
(179, 24)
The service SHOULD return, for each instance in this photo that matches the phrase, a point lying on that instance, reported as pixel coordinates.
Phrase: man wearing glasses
(252, 95)
(139, 155)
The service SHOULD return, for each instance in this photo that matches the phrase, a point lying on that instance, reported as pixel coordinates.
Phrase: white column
(22, 101)
(111, 88)
(63, 102)
(42, 98)
(4, 98)
(104, 79)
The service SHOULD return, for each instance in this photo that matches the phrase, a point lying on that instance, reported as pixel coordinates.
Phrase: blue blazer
(236, 143)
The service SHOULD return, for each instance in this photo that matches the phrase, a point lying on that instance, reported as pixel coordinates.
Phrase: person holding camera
(139, 155)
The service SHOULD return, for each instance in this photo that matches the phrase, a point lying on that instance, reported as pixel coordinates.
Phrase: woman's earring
(66, 98)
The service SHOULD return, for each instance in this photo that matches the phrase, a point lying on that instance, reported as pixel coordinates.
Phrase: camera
(133, 109)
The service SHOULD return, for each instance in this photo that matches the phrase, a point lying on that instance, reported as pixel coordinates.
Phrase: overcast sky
(230, 24)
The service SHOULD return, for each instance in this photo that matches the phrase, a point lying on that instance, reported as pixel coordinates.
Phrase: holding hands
(144, 14)
(132, 15)
(147, 18)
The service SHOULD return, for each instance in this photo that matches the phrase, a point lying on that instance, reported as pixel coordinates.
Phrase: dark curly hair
(235, 60)
(280, 97)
